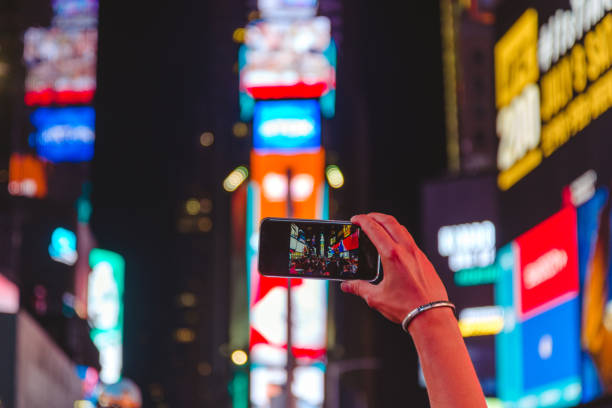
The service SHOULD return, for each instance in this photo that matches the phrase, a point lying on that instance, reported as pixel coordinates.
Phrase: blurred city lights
(302, 186)
(184, 335)
(192, 206)
(105, 310)
(206, 205)
(187, 299)
(238, 35)
(63, 246)
(204, 369)
(83, 404)
(235, 178)
(275, 187)
(239, 357)
(207, 139)
(205, 224)
(9, 296)
(240, 129)
(335, 178)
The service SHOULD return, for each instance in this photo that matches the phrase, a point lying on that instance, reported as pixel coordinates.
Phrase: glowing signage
(481, 321)
(550, 83)
(299, 36)
(537, 351)
(61, 65)
(75, 13)
(286, 74)
(63, 246)
(267, 196)
(287, 9)
(105, 310)
(27, 176)
(287, 125)
(467, 245)
(64, 134)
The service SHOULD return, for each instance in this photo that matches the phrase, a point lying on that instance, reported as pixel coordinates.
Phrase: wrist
(431, 320)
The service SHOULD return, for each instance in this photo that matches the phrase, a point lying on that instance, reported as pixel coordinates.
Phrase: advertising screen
(27, 176)
(287, 125)
(288, 59)
(105, 310)
(64, 134)
(75, 13)
(267, 197)
(61, 65)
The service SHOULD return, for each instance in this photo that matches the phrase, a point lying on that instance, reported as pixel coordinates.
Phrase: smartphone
(297, 248)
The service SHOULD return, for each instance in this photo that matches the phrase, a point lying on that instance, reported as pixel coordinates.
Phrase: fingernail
(353, 218)
(344, 286)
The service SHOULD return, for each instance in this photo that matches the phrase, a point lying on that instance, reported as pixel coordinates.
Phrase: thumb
(359, 288)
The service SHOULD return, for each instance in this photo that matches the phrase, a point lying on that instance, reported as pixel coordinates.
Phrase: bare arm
(411, 281)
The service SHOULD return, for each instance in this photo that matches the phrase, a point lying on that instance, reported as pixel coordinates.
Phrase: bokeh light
(207, 139)
(239, 357)
(335, 178)
(235, 178)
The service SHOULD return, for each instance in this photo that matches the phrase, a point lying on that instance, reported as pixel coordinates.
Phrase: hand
(410, 280)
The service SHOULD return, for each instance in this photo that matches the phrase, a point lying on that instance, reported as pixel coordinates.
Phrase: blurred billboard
(536, 320)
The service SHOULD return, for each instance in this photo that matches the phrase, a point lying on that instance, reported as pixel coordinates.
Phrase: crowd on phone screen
(324, 266)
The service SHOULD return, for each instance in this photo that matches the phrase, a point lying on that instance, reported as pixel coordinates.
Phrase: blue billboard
(64, 134)
(287, 125)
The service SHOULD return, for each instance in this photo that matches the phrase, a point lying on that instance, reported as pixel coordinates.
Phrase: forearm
(449, 374)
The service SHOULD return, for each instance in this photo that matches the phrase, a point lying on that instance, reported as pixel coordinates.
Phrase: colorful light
(235, 178)
(63, 246)
(335, 178)
(105, 310)
(286, 125)
(239, 357)
(64, 134)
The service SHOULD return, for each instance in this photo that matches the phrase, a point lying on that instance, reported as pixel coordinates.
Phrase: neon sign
(287, 125)
(105, 310)
(64, 134)
(63, 246)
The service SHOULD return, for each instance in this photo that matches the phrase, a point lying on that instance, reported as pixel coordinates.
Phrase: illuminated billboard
(75, 13)
(64, 134)
(552, 80)
(538, 351)
(267, 196)
(284, 59)
(27, 176)
(287, 125)
(310, 35)
(61, 65)
(63, 246)
(105, 310)
(287, 9)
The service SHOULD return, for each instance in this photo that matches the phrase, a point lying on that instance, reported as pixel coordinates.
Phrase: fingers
(362, 289)
(377, 234)
(398, 232)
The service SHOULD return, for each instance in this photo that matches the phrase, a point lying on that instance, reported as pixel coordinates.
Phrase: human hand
(410, 280)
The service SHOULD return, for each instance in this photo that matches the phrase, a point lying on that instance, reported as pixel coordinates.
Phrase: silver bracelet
(410, 316)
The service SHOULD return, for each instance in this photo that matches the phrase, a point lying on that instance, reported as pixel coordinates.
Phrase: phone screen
(316, 249)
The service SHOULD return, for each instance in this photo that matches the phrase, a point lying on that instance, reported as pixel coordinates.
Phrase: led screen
(105, 310)
(289, 35)
(64, 134)
(288, 59)
(287, 8)
(287, 125)
(75, 13)
(267, 194)
(61, 65)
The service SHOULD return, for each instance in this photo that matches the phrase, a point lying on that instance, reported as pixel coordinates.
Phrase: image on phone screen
(323, 250)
